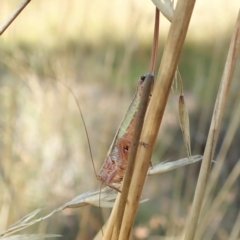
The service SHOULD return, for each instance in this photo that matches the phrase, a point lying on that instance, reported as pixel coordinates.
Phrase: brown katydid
(114, 166)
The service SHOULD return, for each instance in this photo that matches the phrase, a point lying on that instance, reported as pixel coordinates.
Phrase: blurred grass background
(99, 49)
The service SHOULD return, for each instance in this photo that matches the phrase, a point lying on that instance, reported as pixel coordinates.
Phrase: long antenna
(84, 124)
(89, 147)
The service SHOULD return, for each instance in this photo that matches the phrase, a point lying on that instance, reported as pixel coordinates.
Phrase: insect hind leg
(113, 187)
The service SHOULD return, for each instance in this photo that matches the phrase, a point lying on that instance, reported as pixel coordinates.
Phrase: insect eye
(142, 78)
(126, 148)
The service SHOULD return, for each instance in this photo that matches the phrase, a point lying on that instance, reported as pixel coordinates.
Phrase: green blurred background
(99, 49)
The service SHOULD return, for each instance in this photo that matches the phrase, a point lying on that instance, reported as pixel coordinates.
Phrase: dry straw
(214, 131)
(12, 17)
(132, 154)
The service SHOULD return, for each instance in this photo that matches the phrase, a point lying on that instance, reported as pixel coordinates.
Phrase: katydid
(114, 166)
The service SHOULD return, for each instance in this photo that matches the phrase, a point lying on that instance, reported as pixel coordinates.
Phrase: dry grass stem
(111, 221)
(216, 172)
(218, 200)
(133, 152)
(157, 105)
(155, 42)
(12, 17)
(165, 7)
(30, 236)
(236, 229)
(231, 131)
(214, 131)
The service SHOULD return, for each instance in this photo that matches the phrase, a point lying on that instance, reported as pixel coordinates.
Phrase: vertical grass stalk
(156, 109)
(213, 132)
(132, 154)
